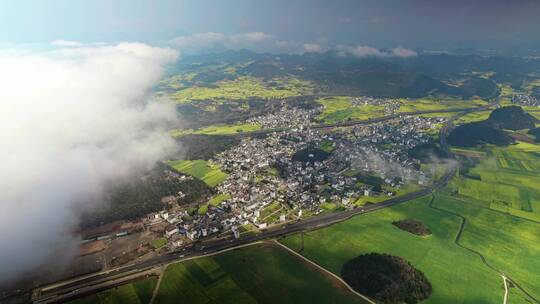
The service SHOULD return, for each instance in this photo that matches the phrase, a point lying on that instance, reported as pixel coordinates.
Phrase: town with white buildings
(525, 100)
(303, 171)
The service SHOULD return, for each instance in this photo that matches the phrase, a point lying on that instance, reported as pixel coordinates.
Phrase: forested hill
(491, 130)
(511, 118)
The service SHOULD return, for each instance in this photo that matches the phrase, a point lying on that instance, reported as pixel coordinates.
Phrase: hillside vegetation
(386, 278)
(142, 195)
(536, 133)
(413, 226)
(491, 130)
(511, 118)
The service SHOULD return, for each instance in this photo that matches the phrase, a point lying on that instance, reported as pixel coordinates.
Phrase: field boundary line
(158, 283)
(324, 270)
(482, 258)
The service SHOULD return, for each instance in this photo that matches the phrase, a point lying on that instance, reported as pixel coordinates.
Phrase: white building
(193, 235)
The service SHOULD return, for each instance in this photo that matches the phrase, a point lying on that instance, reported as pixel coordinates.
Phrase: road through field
(505, 290)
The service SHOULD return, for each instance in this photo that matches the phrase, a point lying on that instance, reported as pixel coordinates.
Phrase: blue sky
(410, 23)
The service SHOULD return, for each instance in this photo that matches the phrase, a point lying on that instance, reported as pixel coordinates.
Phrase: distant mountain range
(461, 76)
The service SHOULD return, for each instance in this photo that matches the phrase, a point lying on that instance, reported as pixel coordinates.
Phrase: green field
(506, 179)
(245, 87)
(329, 206)
(340, 108)
(158, 243)
(377, 198)
(270, 209)
(139, 292)
(327, 146)
(216, 200)
(532, 84)
(457, 275)
(218, 129)
(201, 169)
(427, 104)
(535, 114)
(256, 274)
(264, 273)
(510, 244)
(474, 116)
(202, 209)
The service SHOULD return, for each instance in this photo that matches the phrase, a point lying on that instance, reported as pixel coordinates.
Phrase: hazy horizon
(282, 25)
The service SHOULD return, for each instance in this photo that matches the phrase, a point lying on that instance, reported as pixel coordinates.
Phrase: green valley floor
(458, 275)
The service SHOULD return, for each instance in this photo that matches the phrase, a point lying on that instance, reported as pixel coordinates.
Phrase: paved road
(69, 289)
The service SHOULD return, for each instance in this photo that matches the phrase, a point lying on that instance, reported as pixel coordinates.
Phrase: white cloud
(252, 37)
(256, 41)
(70, 43)
(66, 43)
(313, 48)
(264, 42)
(368, 51)
(71, 121)
(360, 51)
(198, 42)
(403, 52)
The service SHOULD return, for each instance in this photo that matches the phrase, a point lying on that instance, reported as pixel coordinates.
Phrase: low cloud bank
(211, 41)
(72, 121)
(368, 51)
(264, 42)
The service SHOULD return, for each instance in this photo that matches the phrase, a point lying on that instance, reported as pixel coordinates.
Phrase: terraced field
(201, 169)
(444, 262)
(253, 274)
